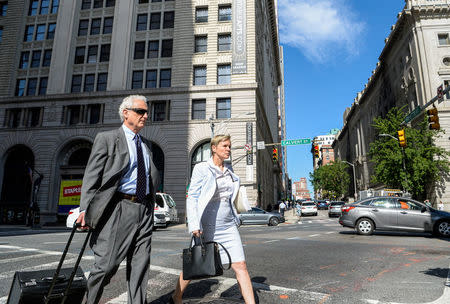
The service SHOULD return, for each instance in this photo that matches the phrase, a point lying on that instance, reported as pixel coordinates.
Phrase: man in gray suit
(117, 202)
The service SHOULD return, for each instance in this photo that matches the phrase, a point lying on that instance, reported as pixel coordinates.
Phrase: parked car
(165, 210)
(259, 216)
(335, 209)
(394, 214)
(322, 205)
(309, 208)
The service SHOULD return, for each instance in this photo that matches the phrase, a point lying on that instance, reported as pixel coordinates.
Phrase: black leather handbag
(202, 260)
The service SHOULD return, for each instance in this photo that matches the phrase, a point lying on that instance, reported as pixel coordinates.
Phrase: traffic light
(316, 151)
(275, 155)
(401, 138)
(433, 119)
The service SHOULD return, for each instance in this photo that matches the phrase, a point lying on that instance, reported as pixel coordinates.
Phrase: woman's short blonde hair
(218, 139)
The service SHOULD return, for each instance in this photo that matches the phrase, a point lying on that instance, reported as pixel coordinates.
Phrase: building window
(73, 115)
(79, 54)
(143, 1)
(151, 79)
(32, 10)
(165, 78)
(224, 42)
(95, 26)
(104, 52)
(1, 33)
(51, 30)
(225, 13)
(141, 23)
(76, 83)
(110, 3)
(31, 87)
(201, 44)
(89, 82)
(55, 6)
(20, 87)
(83, 27)
(29, 31)
(223, 108)
(24, 59)
(94, 113)
(160, 110)
(85, 4)
(136, 82)
(200, 75)
(443, 39)
(92, 54)
(40, 32)
(108, 25)
(12, 118)
(166, 48)
(47, 58)
(224, 74)
(36, 59)
(3, 8)
(139, 50)
(33, 117)
(157, 1)
(168, 19)
(43, 86)
(102, 81)
(98, 3)
(199, 109)
(155, 21)
(201, 14)
(153, 49)
(45, 4)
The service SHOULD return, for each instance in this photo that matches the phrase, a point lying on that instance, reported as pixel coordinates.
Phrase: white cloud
(319, 28)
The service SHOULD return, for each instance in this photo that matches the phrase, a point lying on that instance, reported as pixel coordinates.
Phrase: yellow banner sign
(69, 193)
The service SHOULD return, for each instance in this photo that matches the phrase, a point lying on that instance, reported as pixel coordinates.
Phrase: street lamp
(354, 176)
(403, 158)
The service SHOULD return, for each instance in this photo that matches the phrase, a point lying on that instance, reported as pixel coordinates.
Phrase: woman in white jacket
(211, 214)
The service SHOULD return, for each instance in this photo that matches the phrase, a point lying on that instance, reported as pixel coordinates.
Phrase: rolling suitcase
(52, 286)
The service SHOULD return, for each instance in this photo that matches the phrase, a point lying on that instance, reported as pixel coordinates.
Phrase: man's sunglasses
(138, 110)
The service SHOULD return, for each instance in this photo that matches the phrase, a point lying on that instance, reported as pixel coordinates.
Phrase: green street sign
(293, 142)
(413, 114)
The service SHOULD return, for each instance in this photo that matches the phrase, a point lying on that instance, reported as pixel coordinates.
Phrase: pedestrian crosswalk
(33, 258)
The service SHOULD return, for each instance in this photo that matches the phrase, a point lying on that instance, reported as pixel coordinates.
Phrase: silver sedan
(394, 214)
(259, 216)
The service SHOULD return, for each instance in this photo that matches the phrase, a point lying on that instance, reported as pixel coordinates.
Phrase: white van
(165, 215)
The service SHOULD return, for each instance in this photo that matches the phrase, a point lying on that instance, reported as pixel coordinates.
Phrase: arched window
(202, 153)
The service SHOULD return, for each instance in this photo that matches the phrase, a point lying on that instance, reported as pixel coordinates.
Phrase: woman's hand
(197, 233)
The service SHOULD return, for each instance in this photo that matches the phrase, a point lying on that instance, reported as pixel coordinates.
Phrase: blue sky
(330, 50)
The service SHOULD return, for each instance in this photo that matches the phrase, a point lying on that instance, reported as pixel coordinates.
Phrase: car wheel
(315, 214)
(442, 228)
(273, 221)
(365, 226)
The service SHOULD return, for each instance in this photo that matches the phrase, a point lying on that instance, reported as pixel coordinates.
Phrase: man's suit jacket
(107, 162)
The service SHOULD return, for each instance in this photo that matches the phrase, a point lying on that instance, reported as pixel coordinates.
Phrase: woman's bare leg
(245, 284)
(179, 290)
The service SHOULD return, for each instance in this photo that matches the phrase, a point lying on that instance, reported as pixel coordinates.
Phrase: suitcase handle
(58, 279)
(72, 275)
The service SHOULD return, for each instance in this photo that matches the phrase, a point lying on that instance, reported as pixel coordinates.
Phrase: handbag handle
(201, 244)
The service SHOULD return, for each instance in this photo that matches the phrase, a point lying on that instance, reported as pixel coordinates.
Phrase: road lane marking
(271, 241)
(294, 238)
(313, 235)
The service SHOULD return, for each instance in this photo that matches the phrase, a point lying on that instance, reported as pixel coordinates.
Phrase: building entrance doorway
(17, 183)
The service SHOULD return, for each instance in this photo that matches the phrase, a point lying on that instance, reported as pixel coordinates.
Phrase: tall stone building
(206, 66)
(413, 63)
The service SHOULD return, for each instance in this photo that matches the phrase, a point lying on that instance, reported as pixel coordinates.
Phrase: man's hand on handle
(80, 220)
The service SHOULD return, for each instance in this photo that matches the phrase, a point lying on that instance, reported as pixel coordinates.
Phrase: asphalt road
(314, 261)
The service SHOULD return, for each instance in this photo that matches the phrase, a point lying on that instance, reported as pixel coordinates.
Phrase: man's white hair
(128, 103)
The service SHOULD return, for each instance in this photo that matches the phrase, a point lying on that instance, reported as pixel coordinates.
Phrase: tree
(332, 179)
(425, 163)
